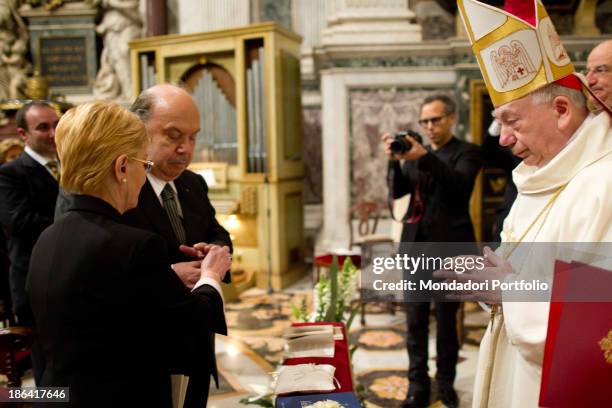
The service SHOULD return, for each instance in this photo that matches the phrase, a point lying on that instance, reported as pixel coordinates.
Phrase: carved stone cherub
(13, 47)
(121, 23)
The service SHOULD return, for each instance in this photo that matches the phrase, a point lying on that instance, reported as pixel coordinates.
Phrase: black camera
(401, 145)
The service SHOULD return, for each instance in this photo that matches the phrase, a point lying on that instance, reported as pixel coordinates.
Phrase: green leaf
(348, 264)
(354, 312)
(304, 310)
(300, 313)
(352, 350)
(333, 280)
(295, 312)
(321, 289)
(262, 401)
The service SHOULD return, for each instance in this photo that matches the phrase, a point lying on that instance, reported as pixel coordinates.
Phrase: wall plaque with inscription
(63, 45)
(63, 61)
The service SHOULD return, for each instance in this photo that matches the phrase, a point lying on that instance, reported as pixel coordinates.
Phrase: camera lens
(400, 144)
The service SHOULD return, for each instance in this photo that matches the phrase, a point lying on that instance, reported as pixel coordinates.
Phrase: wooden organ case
(246, 84)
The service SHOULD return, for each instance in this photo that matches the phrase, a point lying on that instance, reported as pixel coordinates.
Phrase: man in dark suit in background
(29, 188)
(440, 179)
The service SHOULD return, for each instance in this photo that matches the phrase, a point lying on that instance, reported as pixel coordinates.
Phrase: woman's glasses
(148, 164)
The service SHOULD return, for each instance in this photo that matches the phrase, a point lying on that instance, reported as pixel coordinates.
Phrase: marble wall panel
(276, 10)
(313, 167)
(372, 113)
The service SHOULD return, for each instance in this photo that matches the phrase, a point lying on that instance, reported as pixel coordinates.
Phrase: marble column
(156, 23)
(360, 22)
(197, 15)
(310, 20)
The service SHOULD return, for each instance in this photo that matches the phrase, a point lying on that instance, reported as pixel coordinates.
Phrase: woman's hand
(216, 262)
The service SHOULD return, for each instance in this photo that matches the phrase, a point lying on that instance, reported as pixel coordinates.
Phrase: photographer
(440, 179)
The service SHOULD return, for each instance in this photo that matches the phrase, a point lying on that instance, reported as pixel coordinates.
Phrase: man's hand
(216, 262)
(416, 151)
(495, 268)
(188, 272)
(197, 251)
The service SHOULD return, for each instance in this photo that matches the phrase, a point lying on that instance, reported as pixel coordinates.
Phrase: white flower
(325, 404)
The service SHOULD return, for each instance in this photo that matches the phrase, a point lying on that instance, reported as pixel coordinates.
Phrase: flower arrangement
(332, 296)
(332, 303)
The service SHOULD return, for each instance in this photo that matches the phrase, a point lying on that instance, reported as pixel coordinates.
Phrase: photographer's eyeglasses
(597, 70)
(148, 164)
(434, 121)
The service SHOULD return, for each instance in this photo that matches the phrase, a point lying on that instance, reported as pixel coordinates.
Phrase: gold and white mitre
(518, 49)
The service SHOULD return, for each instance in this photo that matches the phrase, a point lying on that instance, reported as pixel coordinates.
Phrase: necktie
(52, 165)
(171, 208)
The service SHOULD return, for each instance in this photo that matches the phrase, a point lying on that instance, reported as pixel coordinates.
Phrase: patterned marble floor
(253, 348)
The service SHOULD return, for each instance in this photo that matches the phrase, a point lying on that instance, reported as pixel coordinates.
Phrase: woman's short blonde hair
(8, 144)
(89, 139)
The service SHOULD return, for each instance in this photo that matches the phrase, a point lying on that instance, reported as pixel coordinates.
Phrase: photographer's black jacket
(446, 180)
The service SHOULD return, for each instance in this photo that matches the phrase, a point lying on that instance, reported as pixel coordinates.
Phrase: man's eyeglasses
(597, 70)
(148, 164)
(434, 121)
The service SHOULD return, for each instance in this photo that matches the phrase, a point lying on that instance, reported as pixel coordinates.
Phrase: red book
(577, 368)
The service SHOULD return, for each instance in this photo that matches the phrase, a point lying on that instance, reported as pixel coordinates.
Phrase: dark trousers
(447, 343)
(197, 391)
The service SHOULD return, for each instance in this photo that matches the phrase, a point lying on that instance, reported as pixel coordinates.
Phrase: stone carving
(13, 47)
(120, 24)
(437, 21)
(49, 5)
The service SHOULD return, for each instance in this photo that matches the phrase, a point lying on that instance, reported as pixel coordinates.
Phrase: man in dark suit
(174, 201)
(440, 179)
(29, 188)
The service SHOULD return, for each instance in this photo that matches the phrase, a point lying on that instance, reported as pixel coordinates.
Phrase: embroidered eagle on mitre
(517, 47)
